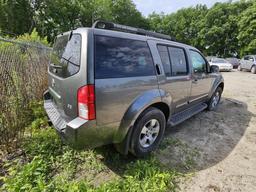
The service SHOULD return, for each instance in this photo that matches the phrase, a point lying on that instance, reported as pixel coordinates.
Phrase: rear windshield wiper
(68, 60)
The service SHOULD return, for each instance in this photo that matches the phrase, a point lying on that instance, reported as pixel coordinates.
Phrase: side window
(246, 58)
(118, 58)
(251, 58)
(163, 52)
(178, 61)
(198, 62)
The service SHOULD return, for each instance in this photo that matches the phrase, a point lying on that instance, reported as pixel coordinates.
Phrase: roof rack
(117, 27)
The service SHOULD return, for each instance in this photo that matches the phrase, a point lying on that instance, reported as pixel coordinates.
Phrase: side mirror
(214, 69)
(251, 59)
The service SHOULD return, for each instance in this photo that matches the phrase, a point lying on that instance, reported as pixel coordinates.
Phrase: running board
(186, 114)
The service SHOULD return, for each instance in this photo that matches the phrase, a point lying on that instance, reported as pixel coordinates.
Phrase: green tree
(125, 12)
(16, 16)
(184, 25)
(220, 29)
(55, 16)
(247, 31)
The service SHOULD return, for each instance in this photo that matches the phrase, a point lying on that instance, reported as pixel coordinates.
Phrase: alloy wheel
(149, 133)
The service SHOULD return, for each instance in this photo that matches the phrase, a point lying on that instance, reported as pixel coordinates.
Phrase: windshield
(65, 57)
(219, 61)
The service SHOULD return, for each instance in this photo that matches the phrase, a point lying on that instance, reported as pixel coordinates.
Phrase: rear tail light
(86, 102)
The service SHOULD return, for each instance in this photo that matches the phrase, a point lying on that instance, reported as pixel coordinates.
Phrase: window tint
(246, 58)
(178, 61)
(163, 52)
(198, 62)
(66, 56)
(117, 58)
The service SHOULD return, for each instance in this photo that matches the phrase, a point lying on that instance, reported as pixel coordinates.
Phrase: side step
(186, 114)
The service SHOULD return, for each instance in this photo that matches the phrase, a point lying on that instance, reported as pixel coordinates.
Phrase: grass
(46, 164)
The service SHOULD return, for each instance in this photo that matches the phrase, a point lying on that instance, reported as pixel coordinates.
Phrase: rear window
(66, 54)
(118, 58)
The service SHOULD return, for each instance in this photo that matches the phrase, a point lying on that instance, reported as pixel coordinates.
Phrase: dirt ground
(222, 143)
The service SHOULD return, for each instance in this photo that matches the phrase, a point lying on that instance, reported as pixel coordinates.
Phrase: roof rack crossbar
(113, 26)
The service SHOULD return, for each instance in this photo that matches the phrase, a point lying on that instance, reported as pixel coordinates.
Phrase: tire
(253, 70)
(239, 68)
(148, 132)
(215, 99)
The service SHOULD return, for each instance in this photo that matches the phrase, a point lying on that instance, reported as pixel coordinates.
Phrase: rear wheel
(148, 132)
(253, 70)
(215, 99)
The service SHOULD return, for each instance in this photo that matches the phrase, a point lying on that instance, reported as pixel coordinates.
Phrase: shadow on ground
(198, 143)
(207, 138)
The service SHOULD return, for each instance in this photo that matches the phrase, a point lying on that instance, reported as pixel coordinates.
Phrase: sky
(169, 6)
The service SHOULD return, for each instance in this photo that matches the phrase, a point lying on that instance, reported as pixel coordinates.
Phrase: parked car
(117, 84)
(223, 64)
(209, 58)
(234, 61)
(248, 63)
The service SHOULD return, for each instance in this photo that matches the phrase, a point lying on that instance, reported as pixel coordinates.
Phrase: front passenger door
(246, 62)
(250, 62)
(201, 80)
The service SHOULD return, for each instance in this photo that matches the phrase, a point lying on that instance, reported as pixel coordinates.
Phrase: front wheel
(215, 99)
(148, 132)
(253, 70)
(239, 68)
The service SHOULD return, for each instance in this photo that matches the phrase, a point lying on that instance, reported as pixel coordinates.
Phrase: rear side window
(178, 61)
(163, 52)
(118, 58)
(173, 60)
(65, 57)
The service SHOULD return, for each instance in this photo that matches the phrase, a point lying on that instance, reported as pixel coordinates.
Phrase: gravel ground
(224, 139)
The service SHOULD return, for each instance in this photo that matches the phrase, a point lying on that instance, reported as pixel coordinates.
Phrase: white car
(223, 64)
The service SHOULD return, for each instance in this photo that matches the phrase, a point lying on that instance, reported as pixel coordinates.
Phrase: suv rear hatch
(67, 73)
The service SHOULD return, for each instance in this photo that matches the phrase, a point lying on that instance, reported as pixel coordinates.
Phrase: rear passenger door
(201, 80)
(176, 81)
(124, 70)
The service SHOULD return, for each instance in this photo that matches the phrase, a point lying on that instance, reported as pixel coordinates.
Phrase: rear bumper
(79, 133)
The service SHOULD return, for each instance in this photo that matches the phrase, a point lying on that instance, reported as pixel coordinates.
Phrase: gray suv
(123, 85)
(248, 63)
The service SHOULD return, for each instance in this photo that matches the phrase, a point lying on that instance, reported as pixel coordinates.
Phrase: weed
(52, 166)
(46, 164)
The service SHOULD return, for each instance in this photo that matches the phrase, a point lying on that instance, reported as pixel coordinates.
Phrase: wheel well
(221, 85)
(163, 107)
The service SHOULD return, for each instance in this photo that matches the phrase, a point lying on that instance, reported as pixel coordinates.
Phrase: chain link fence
(23, 79)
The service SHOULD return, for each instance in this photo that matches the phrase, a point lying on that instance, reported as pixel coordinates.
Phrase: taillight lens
(86, 102)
